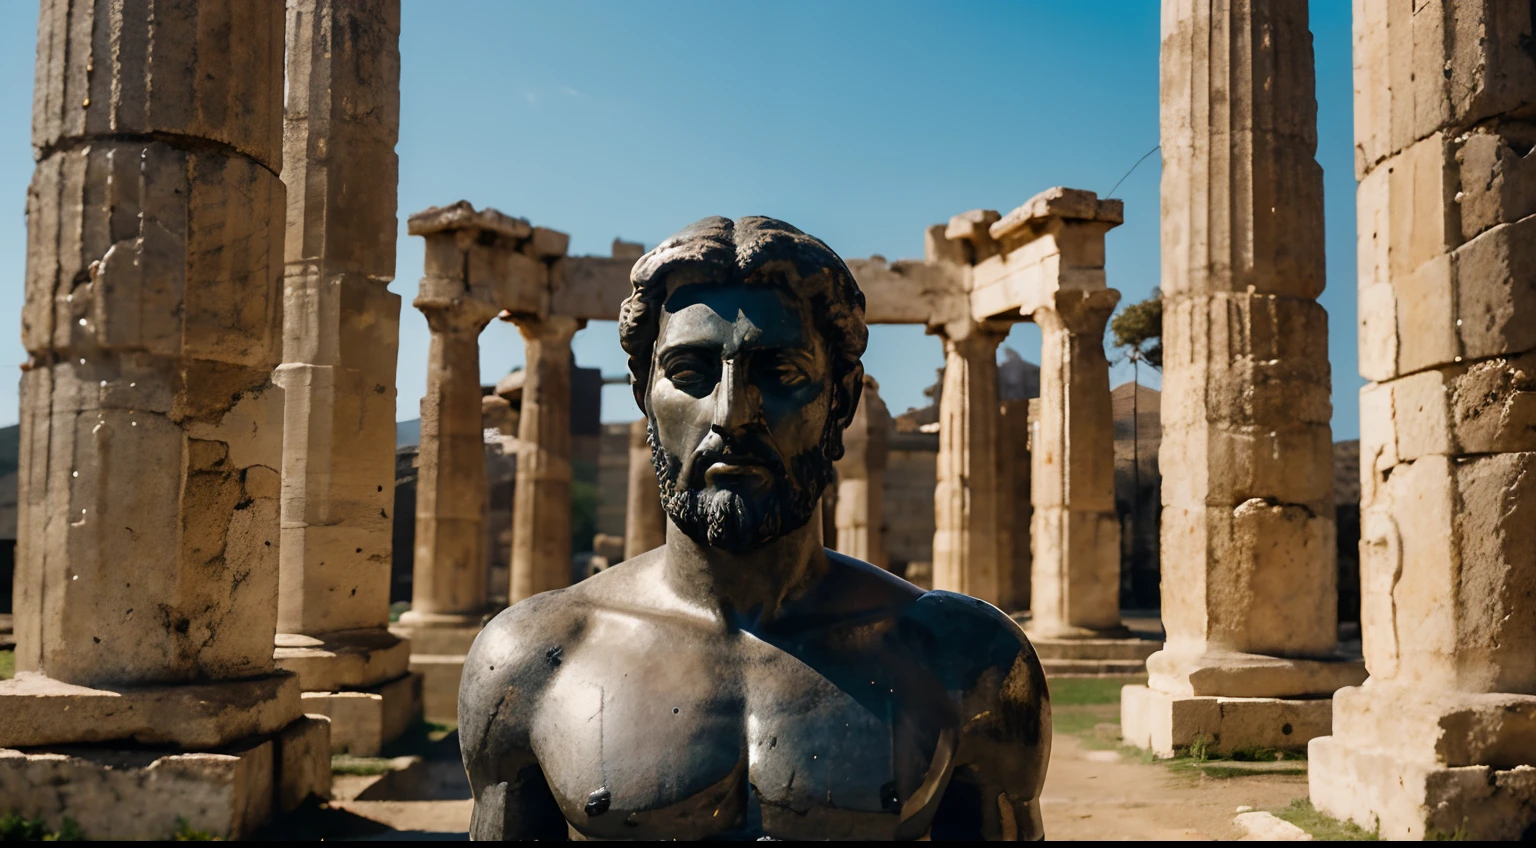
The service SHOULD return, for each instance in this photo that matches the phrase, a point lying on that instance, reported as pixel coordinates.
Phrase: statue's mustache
(717, 448)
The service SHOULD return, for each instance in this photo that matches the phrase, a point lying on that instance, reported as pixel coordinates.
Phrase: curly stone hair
(755, 251)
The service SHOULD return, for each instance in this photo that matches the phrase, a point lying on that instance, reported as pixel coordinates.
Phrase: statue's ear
(851, 388)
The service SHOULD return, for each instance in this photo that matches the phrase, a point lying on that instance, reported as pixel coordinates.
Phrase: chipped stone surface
(1168, 724)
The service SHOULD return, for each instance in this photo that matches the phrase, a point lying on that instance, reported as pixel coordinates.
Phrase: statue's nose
(735, 402)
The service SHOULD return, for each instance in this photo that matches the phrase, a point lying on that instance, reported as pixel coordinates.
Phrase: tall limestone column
(1442, 737)
(965, 550)
(1014, 477)
(645, 522)
(341, 335)
(860, 506)
(151, 431)
(1249, 582)
(1074, 532)
(541, 505)
(467, 254)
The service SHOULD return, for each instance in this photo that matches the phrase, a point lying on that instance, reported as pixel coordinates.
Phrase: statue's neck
(749, 588)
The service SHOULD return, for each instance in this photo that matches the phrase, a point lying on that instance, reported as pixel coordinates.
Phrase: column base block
(1169, 725)
(1232, 674)
(352, 659)
(142, 794)
(36, 710)
(363, 722)
(438, 654)
(1423, 766)
(1093, 657)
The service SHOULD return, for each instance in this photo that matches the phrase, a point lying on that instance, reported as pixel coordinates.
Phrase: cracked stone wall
(151, 430)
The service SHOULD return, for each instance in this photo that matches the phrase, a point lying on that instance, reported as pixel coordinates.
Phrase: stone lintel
(1168, 725)
(345, 660)
(1239, 675)
(138, 794)
(363, 722)
(463, 216)
(36, 710)
(911, 291)
(1068, 204)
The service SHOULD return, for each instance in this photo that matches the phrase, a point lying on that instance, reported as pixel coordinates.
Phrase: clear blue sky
(859, 122)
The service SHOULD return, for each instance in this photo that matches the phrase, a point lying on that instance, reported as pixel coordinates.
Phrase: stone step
(1093, 668)
(1096, 649)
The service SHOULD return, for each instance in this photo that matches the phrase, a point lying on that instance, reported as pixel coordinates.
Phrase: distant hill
(408, 432)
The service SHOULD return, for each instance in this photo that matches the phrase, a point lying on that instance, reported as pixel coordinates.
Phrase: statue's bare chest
(668, 731)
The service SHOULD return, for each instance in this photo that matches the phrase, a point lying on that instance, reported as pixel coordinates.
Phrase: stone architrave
(1442, 739)
(1249, 582)
(151, 431)
(965, 545)
(541, 503)
(470, 259)
(1074, 531)
(860, 503)
(340, 339)
(645, 522)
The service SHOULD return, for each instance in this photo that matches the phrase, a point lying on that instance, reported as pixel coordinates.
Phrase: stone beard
(725, 519)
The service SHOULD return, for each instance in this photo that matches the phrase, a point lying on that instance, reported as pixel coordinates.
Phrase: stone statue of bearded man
(743, 681)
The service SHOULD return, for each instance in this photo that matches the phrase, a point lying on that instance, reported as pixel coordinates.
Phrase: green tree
(1139, 330)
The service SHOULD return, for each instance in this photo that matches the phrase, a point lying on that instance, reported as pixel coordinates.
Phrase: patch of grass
(1081, 691)
(1323, 826)
(18, 828)
(185, 833)
(365, 766)
(1217, 771)
(7, 664)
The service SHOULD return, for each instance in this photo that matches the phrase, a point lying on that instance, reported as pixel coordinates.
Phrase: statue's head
(744, 340)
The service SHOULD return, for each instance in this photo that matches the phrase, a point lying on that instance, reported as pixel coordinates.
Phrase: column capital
(972, 338)
(1078, 312)
(551, 329)
(455, 314)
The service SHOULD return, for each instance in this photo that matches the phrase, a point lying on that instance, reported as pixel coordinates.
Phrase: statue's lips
(723, 467)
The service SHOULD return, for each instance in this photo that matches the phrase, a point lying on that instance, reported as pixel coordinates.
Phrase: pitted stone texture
(1448, 544)
(351, 659)
(36, 710)
(1168, 725)
(1184, 673)
(303, 762)
(210, 71)
(363, 722)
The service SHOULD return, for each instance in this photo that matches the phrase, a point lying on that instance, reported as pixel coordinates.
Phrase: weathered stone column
(1013, 485)
(860, 506)
(467, 260)
(340, 339)
(965, 499)
(1442, 738)
(645, 522)
(541, 505)
(1249, 582)
(1074, 532)
(151, 431)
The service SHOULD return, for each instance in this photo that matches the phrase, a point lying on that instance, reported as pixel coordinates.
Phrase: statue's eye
(783, 371)
(690, 370)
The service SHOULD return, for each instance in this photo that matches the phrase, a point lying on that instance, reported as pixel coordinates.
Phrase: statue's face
(739, 407)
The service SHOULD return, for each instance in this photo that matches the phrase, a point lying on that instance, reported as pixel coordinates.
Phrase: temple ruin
(207, 466)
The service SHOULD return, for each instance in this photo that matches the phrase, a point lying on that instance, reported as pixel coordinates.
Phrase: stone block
(1441, 727)
(363, 722)
(1496, 291)
(1221, 464)
(346, 660)
(1401, 798)
(1498, 184)
(142, 794)
(178, 72)
(1468, 632)
(1189, 671)
(1260, 826)
(1484, 407)
(440, 678)
(303, 762)
(1168, 725)
(36, 710)
(546, 244)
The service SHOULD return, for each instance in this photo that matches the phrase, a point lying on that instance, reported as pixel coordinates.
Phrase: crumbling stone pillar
(1249, 583)
(541, 505)
(1442, 738)
(1014, 477)
(469, 256)
(151, 431)
(860, 503)
(341, 334)
(645, 522)
(965, 499)
(1074, 532)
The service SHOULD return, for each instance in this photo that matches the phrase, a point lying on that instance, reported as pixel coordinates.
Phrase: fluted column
(965, 498)
(1248, 563)
(151, 429)
(1074, 531)
(860, 506)
(541, 504)
(341, 336)
(645, 522)
(1441, 739)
